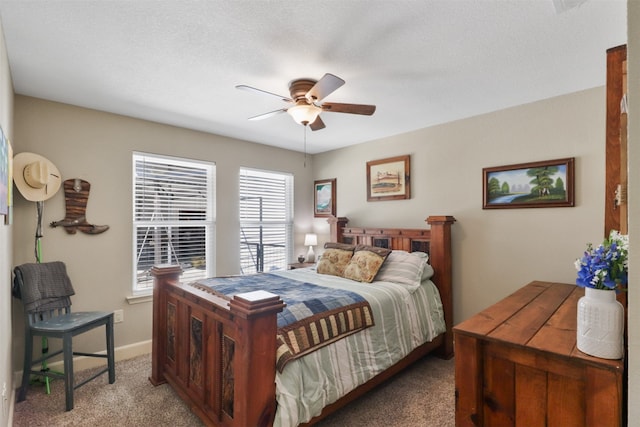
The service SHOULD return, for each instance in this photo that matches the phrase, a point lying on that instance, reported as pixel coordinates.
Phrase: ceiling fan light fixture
(304, 114)
(306, 95)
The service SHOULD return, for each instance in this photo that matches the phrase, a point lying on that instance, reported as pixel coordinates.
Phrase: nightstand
(301, 265)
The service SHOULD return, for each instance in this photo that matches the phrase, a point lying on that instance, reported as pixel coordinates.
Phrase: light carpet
(421, 396)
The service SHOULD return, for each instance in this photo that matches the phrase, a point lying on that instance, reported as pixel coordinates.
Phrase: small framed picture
(324, 198)
(389, 179)
(545, 184)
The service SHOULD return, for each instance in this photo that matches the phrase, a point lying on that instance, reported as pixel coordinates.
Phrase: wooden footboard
(220, 356)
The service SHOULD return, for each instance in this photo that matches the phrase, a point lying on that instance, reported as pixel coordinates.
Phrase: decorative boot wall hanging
(76, 196)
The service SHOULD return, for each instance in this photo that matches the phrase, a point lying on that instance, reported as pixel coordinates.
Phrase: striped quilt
(314, 315)
(405, 318)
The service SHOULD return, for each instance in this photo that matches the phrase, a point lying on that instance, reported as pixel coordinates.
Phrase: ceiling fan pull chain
(305, 145)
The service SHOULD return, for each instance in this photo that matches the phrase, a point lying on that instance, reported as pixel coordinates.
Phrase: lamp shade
(310, 239)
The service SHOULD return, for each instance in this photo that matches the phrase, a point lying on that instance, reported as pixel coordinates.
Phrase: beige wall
(494, 251)
(97, 147)
(6, 121)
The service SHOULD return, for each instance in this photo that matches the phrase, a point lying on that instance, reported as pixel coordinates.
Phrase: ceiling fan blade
(269, 114)
(323, 87)
(363, 109)
(317, 124)
(253, 89)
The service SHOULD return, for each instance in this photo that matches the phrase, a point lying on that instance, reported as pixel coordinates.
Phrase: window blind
(266, 220)
(173, 216)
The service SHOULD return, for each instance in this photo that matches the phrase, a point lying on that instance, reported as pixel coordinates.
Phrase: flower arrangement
(606, 266)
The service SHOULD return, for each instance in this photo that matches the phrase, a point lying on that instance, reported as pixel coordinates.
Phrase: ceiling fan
(306, 97)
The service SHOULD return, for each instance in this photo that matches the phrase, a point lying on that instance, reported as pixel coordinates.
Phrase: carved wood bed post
(336, 226)
(161, 274)
(254, 371)
(441, 238)
(223, 362)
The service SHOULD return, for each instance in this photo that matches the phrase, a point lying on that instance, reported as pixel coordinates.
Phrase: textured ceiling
(421, 62)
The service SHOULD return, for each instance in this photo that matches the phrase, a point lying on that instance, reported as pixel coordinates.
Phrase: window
(266, 220)
(173, 217)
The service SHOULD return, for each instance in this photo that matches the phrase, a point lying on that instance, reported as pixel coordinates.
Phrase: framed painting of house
(324, 198)
(389, 179)
(544, 184)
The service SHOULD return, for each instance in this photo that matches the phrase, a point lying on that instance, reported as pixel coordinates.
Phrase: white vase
(600, 324)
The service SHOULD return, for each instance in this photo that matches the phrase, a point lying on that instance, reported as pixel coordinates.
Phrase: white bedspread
(403, 321)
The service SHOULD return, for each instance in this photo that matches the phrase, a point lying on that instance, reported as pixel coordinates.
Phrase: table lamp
(310, 240)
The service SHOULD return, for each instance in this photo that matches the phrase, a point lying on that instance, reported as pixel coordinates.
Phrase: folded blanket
(311, 333)
(45, 286)
(314, 315)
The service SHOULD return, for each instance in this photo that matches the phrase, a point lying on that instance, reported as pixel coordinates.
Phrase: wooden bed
(220, 356)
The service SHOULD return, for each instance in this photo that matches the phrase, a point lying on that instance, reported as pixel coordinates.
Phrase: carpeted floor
(421, 396)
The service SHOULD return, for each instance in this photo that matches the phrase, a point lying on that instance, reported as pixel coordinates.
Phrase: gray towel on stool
(45, 285)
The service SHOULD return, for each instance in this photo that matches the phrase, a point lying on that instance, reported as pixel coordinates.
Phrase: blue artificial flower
(605, 267)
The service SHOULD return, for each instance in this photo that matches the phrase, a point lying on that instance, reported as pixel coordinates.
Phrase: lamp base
(311, 256)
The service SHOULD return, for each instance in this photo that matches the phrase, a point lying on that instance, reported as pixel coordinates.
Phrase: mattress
(405, 318)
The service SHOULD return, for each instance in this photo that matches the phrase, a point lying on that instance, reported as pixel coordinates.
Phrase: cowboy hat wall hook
(76, 197)
(37, 178)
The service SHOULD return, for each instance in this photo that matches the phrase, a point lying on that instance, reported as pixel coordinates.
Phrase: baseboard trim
(12, 402)
(83, 362)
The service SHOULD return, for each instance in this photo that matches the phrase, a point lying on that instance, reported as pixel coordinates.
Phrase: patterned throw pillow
(334, 261)
(365, 263)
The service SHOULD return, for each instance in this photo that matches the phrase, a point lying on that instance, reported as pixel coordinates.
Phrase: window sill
(139, 299)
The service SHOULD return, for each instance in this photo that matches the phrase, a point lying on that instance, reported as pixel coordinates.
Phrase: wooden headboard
(435, 241)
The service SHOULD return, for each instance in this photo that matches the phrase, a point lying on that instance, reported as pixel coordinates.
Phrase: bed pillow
(428, 272)
(405, 268)
(365, 263)
(334, 259)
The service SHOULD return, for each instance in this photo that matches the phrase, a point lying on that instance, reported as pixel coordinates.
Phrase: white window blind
(266, 220)
(173, 216)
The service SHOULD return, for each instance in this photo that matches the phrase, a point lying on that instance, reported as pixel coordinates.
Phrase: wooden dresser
(517, 365)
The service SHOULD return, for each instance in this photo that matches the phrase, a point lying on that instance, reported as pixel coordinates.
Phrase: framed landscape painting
(544, 184)
(324, 198)
(389, 179)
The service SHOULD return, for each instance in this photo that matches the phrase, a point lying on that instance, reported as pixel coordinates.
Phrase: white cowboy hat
(37, 178)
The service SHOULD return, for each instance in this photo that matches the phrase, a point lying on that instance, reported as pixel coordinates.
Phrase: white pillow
(405, 268)
(427, 273)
